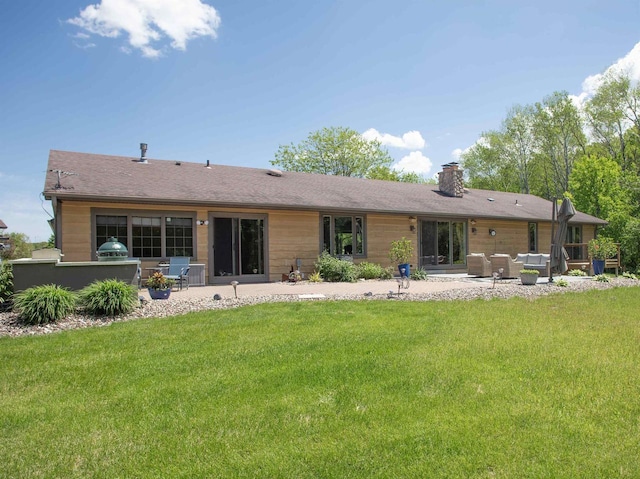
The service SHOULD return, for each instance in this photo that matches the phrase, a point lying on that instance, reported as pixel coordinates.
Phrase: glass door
(238, 248)
(442, 244)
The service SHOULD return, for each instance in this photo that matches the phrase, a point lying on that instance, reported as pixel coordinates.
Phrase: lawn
(482, 389)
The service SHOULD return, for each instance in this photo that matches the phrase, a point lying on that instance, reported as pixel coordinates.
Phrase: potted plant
(599, 250)
(159, 286)
(529, 276)
(400, 253)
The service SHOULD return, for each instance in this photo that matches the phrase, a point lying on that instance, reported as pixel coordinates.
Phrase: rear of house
(253, 225)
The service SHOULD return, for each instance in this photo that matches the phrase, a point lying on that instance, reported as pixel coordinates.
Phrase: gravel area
(10, 324)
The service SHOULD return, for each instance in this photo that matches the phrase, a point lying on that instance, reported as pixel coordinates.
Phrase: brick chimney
(450, 180)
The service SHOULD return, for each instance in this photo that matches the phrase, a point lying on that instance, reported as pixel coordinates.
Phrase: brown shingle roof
(2, 225)
(115, 178)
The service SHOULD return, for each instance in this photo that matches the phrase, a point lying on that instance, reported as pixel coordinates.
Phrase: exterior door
(238, 249)
(442, 244)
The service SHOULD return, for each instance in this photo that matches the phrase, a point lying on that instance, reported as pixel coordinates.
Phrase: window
(148, 236)
(533, 237)
(108, 226)
(343, 235)
(179, 236)
(574, 235)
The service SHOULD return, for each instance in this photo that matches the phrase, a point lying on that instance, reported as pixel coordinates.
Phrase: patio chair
(510, 267)
(478, 265)
(179, 270)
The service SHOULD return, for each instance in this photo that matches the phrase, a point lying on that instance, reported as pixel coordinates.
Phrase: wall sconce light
(413, 220)
(412, 228)
(492, 232)
(203, 222)
(474, 230)
(473, 222)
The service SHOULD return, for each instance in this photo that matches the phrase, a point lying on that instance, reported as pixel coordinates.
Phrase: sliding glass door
(238, 248)
(442, 243)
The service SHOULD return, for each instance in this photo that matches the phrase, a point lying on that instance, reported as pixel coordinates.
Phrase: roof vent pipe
(143, 152)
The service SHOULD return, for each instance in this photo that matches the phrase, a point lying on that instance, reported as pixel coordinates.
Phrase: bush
(368, 270)
(577, 272)
(315, 277)
(335, 270)
(419, 274)
(563, 283)
(6, 282)
(603, 278)
(44, 304)
(110, 297)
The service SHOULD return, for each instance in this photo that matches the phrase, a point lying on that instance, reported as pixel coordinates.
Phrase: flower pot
(598, 266)
(159, 293)
(528, 278)
(404, 270)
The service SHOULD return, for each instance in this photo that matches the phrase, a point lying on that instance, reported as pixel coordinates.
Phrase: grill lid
(112, 250)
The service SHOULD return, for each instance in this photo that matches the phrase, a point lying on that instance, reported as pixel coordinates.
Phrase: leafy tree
(561, 140)
(630, 244)
(333, 151)
(389, 174)
(595, 186)
(487, 167)
(20, 247)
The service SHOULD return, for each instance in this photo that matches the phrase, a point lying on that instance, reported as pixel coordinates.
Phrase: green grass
(517, 389)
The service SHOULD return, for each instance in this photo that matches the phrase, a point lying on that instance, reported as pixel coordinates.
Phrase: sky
(230, 81)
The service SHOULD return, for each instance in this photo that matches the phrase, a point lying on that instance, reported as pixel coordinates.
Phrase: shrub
(388, 272)
(628, 275)
(602, 248)
(368, 270)
(110, 297)
(334, 269)
(419, 274)
(563, 283)
(401, 251)
(315, 277)
(603, 278)
(44, 304)
(6, 282)
(577, 272)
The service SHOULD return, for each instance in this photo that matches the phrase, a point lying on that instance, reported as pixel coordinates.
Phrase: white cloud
(147, 22)
(629, 65)
(412, 140)
(414, 162)
(457, 153)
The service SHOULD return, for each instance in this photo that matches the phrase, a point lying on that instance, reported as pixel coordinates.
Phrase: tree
(561, 140)
(333, 151)
(20, 247)
(595, 186)
(487, 167)
(389, 174)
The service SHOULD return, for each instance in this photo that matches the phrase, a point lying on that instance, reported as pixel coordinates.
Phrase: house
(253, 224)
(4, 239)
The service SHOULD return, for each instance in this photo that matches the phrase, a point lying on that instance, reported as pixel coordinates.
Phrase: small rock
(217, 297)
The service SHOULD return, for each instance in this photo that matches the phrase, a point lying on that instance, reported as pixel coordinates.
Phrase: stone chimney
(450, 180)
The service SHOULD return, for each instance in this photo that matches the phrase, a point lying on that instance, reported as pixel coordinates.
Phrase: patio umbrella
(559, 255)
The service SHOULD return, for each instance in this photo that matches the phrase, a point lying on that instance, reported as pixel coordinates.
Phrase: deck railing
(579, 257)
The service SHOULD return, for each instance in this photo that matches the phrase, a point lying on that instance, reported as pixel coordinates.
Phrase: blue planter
(159, 293)
(405, 267)
(598, 266)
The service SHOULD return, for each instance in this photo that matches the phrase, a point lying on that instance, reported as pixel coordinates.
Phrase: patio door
(442, 244)
(238, 249)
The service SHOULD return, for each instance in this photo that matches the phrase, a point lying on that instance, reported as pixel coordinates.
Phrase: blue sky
(229, 81)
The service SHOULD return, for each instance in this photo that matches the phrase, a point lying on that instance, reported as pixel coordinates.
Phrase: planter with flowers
(600, 249)
(401, 252)
(159, 286)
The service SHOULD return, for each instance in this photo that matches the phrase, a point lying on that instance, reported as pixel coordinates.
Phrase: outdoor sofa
(539, 261)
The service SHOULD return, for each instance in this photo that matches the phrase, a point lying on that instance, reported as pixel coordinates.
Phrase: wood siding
(296, 234)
